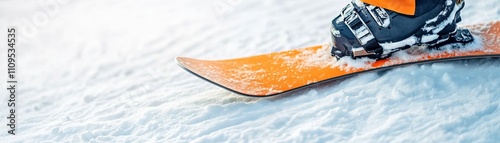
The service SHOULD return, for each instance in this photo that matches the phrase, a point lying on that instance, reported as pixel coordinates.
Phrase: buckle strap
(357, 26)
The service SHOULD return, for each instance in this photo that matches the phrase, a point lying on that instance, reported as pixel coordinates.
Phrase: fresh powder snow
(104, 71)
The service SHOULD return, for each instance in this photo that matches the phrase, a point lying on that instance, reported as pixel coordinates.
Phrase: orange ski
(279, 72)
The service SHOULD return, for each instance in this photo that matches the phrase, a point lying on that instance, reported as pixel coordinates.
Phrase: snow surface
(104, 71)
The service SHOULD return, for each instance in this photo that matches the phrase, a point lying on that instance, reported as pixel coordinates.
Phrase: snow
(104, 71)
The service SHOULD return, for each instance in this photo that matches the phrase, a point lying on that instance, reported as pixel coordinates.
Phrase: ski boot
(363, 30)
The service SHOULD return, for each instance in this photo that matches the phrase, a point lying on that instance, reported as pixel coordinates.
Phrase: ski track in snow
(104, 71)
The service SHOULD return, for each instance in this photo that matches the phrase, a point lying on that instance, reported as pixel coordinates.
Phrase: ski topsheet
(279, 72)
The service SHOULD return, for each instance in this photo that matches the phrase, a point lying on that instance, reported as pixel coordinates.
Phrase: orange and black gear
(407, 7)
(400, 6)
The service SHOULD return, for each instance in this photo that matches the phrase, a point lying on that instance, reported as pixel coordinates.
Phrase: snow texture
(103, 71)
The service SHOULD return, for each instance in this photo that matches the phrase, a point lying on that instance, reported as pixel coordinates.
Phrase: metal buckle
(380, 15)
(356, 25)
(359, 28)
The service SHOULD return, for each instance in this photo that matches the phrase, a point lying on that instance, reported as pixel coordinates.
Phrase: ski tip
(194, 67)
(181, 61)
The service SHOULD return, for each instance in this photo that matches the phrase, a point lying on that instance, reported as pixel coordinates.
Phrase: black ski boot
(363, 30)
